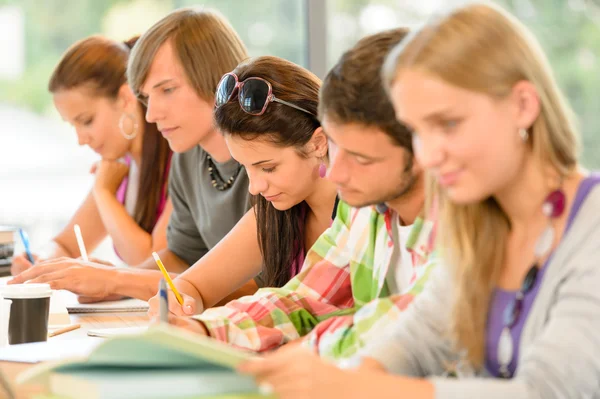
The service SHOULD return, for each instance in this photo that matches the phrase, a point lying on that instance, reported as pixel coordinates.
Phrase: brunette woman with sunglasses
(266, 108)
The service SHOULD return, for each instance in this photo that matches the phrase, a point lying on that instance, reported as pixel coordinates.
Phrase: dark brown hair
(100, 64)
(353, 91)
(280, 233)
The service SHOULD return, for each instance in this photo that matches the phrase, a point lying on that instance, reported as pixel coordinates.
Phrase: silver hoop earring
(524, 134)
(134, 130)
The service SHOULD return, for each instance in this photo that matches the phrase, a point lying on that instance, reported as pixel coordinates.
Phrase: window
(569, 31)
(44, 173)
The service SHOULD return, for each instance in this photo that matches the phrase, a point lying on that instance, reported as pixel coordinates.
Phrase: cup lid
(19, 291)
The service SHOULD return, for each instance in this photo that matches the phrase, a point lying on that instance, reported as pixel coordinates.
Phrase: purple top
(501, 298)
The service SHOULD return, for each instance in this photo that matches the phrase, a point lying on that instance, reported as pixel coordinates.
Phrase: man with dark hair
(372, 261)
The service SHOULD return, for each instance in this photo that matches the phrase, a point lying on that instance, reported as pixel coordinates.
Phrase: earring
(322, 170)
(524, 134)
(134, 130)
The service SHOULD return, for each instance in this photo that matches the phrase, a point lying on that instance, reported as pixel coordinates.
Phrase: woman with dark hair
(266, 108)
(128, 201)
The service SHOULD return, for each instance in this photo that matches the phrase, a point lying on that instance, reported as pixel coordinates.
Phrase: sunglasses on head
(254, 94)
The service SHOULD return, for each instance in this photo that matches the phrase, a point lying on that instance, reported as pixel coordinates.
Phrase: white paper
(113, 332)
(50, 350)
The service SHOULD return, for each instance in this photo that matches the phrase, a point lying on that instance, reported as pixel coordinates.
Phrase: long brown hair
(484, 49)
(100, 64)
(279, 232)
(204, 42)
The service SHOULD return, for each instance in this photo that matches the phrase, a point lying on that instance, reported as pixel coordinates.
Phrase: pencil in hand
(167, 277)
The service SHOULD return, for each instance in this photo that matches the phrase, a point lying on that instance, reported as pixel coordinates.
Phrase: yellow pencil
(167, 277)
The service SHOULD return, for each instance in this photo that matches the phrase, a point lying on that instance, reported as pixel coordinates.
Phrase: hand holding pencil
(179, 303)
(161, 303)
(167, 277)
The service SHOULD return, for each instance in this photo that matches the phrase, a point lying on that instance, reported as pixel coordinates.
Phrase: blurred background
(44, 174)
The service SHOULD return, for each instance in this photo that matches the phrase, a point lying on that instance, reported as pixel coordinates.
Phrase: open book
(163, 362)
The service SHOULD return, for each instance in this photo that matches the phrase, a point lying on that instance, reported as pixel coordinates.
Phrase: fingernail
(188, 309)
(265, 389)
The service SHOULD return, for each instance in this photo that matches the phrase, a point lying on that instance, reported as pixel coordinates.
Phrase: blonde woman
(518, 300)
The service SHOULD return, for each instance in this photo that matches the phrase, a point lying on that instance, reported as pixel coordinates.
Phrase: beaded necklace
(553, 207)
(216, 179)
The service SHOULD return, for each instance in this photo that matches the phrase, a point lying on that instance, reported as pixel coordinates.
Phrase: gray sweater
(202, 215)
(560, 345)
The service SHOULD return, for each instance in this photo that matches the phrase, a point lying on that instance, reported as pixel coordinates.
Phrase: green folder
(161, 356)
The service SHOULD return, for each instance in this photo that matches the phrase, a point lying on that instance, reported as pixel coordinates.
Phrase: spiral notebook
(124, 305)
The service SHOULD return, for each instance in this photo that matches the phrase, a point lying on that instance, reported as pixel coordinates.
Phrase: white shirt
(133, 186)
(400, 271)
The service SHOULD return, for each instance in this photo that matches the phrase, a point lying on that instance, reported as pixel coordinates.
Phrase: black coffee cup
(29, 312)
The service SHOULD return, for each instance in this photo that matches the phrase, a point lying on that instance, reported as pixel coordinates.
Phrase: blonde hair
(486, 50)
(204, 42)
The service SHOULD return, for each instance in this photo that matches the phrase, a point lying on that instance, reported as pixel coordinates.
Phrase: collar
(420, 242)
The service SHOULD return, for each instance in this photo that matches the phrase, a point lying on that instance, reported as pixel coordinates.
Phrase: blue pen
(163, 306)
(25, 239)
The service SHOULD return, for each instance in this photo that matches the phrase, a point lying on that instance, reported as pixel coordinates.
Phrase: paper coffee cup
(29, 312)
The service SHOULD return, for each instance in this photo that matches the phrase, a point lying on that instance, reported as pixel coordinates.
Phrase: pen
(167, 277)
(25, 240)
(80, 242)
(163, 309)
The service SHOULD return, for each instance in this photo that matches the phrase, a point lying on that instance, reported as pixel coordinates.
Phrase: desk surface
(87, 321)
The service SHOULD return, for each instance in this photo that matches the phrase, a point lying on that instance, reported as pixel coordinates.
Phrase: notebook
(124, 305)
(141, 360)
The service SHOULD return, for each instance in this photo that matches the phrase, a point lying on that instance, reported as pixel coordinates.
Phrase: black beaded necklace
(553, 207)
(217, 180)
